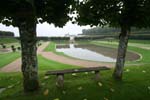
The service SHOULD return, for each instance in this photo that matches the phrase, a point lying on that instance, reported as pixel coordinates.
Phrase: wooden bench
(60, 73)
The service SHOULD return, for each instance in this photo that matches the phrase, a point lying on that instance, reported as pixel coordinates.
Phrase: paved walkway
(16, 65)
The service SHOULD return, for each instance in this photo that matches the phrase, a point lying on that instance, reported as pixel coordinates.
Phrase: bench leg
(60, 80)
(97, 76)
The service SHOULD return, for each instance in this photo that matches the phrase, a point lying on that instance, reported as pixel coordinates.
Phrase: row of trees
(6, 34)
(101, 31)
(113, 31)
(25, 14)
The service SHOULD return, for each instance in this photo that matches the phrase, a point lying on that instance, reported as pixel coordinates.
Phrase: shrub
(13, 49)
(3, 46)
(12, 46)
(19, 48)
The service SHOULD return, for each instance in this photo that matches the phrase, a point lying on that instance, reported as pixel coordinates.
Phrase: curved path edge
(15, 66)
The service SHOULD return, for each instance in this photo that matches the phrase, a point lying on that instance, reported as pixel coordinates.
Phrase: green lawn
(51, 47)
(45, 64)
(135, 84)
(140, 41)
(8, 40)
(7, 58)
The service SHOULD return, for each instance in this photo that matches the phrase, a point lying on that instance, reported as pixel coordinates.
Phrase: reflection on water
(85, 54)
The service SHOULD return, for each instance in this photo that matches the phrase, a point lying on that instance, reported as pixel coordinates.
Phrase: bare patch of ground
(110, 52)
(15, 66)
(7, 50)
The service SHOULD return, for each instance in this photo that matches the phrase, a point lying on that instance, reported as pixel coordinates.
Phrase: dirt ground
(15, 66)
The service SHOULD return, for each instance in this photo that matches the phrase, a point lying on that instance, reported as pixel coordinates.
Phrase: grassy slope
(140, 41)
(133, 87)
(52, 48)
(45, 64)
(8, 40)
(135, 84)
(8, 58)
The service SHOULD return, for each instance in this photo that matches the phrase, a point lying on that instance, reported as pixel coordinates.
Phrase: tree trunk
(122, 48)
(29, 56)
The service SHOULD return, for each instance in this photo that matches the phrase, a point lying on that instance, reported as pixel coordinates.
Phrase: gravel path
(16, 65)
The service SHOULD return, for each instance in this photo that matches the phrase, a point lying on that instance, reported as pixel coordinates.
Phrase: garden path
(15, 66)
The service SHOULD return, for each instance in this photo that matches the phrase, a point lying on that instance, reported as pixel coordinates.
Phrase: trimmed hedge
(6, 34)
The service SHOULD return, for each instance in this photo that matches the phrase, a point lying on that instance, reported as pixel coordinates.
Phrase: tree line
(113, 31)
(6, 34)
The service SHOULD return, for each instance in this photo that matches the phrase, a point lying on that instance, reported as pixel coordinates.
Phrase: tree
(115, 13)
(25, 14)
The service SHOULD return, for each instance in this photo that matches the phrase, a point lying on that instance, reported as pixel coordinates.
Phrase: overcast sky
(50, 30)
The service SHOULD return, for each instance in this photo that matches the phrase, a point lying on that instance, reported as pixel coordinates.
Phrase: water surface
(83, 53)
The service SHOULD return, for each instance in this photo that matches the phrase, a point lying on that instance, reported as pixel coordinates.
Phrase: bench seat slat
(77, 70)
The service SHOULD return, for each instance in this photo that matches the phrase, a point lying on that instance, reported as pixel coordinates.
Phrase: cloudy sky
(50, 30)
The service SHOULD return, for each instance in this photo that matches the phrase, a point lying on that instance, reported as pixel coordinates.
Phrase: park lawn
(45, 64)
(135, 86)
(15, 44)
(51, 47)
(140, 41)
(8, 40)
(7, 58)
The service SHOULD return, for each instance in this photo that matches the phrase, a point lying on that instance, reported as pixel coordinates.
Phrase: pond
(83, 53)
(93, 53)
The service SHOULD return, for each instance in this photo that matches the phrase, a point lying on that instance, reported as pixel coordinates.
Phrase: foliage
(3, 46)
(114, 13)
(117, 13)
(59, 38)
(19, 48)
(25, 14)
(12, 12)
(6, 34)
(113, 31)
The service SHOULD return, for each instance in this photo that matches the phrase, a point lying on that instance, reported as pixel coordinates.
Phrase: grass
(8, 40)
(135, 84)
(140, 41)
(45, 64)
(7, 58)
(51, 47)
(145, 54)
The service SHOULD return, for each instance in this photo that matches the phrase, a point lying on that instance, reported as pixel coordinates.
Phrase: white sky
(49, 30)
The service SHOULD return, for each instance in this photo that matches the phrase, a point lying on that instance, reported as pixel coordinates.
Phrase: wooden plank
(77, 70)
(60, 80)
(97, 76)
